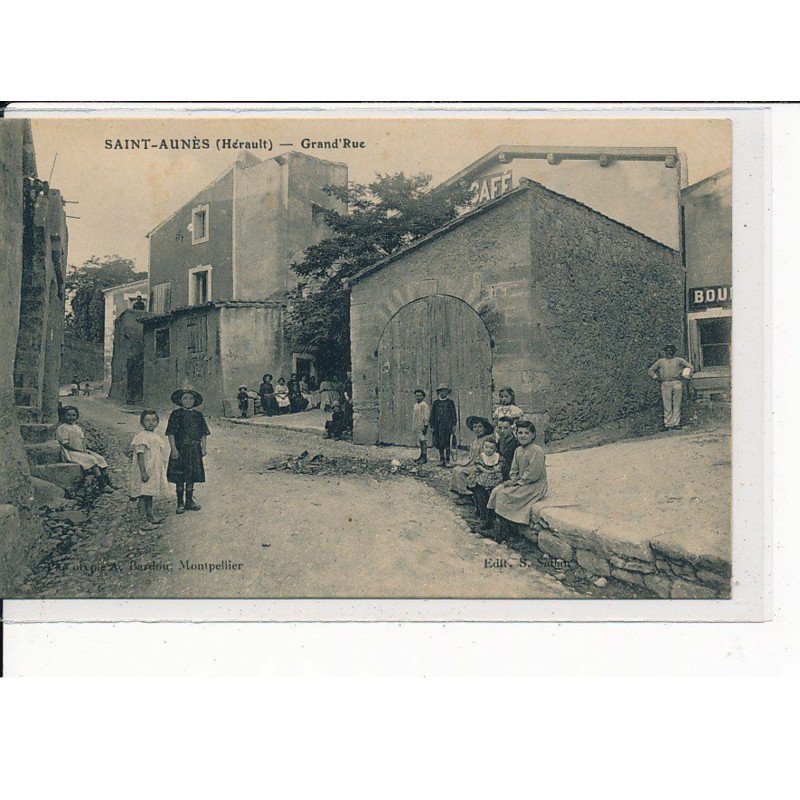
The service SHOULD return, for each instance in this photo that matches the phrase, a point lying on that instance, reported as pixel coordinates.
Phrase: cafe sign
(490, 187)
(709, 297)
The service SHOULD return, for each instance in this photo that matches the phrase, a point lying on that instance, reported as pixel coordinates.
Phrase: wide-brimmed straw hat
(488, 427)
(178, 393)
(443, 386)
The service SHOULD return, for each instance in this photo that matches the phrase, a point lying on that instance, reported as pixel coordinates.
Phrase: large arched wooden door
(432, 340)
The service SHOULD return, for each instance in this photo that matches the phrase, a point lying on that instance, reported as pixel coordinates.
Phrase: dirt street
(278, 534)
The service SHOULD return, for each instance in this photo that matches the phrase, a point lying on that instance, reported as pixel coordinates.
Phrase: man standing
(670, 371)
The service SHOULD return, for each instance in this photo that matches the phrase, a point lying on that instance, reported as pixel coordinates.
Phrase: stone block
(634, 578)
(46, 453)
(554, 546)
(36, 432)
(29, 413)
(686, 590)
(64, 475)
(659, 584)
(632, 565)
(47, 494)
(593, 563)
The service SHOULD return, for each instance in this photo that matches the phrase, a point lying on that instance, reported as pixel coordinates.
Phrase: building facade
(118, 299)
(708, 228)
(231, 248)
(638, 186)
(532, 290)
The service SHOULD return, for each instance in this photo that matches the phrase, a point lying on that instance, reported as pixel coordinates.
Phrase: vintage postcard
(390, 357)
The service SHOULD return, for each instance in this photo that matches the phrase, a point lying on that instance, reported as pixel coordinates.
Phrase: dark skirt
(442, 438)
(188, 467)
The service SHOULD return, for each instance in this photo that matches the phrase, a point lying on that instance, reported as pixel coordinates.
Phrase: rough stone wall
(484, 261)
(81, 358)
(127, 363)
(199, 370)
(611, 299)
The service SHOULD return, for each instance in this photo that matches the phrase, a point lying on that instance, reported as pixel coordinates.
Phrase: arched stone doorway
(435, 339)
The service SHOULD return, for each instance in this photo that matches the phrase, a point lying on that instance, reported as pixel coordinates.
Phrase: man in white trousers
(670, 372)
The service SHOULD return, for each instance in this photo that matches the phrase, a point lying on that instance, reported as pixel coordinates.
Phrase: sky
(120, 195)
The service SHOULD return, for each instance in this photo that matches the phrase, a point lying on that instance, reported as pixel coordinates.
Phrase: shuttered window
(161, 298)
(197, 330)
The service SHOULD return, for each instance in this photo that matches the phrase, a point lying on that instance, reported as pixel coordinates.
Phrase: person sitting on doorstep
(669, 371)
(266, 393)
(420, 420)
(487, 474)
(506, 407)
(336, 426)
(483, 429)
(297, 402)
(506, 443)
(527, 484)
(282, 397)
(71, 437)
(244, 401)
(444, 419)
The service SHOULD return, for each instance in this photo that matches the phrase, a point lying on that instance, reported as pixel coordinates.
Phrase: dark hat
(486, 424)
(242, 387)
(175, 397)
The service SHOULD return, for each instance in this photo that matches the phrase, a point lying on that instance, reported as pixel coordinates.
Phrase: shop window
(199, 286)
(200, 224)
(162, 343)
(197, 331)
(715, 341)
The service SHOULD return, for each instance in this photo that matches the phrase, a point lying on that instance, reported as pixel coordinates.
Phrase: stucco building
(118, 299)
(220, 267)
(532, 289)
(707, 219)
(33, 251)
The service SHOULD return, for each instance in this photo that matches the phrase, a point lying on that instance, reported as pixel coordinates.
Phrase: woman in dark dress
(296, 400)
(186, 431)
(267, 394)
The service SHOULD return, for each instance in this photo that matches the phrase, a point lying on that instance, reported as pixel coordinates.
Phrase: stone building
(127, 366)
(118, 299)
(220, 267)
(707, 219)
(534, 290)
(33, 250)
(638, 186)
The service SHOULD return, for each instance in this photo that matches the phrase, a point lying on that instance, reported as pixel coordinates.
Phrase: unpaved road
(314, 536)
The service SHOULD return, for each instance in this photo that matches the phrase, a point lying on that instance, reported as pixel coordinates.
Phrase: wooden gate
(432, 340)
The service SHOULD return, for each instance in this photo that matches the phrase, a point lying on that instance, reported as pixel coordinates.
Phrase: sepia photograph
(366, 357)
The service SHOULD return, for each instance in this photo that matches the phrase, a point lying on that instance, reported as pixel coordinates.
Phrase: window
(199, 285)
(161, 298)
(197, 331)
(715, 341)
(200, 224)
(162, 343)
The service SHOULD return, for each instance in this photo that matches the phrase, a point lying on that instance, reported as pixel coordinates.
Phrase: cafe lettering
(710, 297)
(490, 187)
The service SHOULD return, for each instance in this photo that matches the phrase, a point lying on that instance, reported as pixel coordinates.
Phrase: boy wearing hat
(244, 401)
(443, 422)
(186, 431)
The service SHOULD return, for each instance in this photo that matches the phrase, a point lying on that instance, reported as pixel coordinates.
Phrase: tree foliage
(84, 285)
(381, 218)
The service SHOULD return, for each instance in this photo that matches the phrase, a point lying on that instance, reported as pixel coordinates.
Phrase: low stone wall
(667, 570)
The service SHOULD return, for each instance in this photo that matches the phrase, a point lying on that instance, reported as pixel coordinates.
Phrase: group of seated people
(504, 473)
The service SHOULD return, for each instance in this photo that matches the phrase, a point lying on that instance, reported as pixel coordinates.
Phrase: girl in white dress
(71, 437)
(148, 468)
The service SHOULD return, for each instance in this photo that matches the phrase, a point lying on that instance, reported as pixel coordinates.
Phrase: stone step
(36, 432)
(24, 397)
(64, 475)
(29, 413)
(47, 494)
(47, 453)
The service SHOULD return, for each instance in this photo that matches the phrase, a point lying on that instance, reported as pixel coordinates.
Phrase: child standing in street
(71, 437)
(148, 477)
(244, 401)
(444, 419)
(420, 419)
(187, 431)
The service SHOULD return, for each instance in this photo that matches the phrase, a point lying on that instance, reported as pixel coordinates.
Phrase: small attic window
(200, 226)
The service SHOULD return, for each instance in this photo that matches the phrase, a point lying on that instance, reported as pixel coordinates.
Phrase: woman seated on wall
(328, 395)
(282, 397)
(483, 429)
(308, 387)
(297, 402)
(507, 406)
